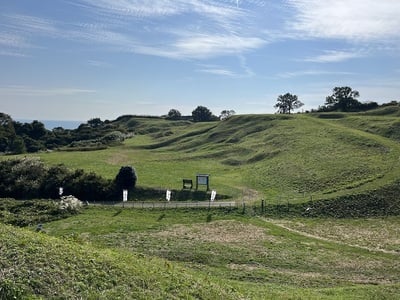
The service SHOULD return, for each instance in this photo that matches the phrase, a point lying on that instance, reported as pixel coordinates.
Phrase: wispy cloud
(334, 56)
(310, 73)
(217, 70)
(209, 45)
(212, 28)
(243, 70)
(21, 90)
(179, 29)
(19, 31)
(99, 64)
(356, 20)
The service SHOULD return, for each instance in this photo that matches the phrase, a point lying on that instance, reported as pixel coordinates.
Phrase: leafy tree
(343, 99)
(53, 179)
(174, 114)
(95, 123)
(286, 103)
(126, 178)
(38, 130)
(7, 132)
(225, 114)
(201, 114)
(17, 145)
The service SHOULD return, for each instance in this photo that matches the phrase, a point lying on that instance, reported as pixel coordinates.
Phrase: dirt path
(299, 232)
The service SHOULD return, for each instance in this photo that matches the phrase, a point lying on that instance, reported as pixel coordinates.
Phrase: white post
(168, 195)
(213, 195)
(124, 197)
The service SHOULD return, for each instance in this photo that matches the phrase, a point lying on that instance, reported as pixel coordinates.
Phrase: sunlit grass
(296, 157)
(255, 255)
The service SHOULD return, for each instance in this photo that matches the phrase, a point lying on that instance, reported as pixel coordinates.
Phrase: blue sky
(80, 59)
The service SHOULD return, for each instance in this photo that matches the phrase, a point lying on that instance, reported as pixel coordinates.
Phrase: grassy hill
(340, 161)
(272, 156)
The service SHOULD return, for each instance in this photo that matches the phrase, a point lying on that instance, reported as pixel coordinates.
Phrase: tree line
(200, 114)
(17, 137)
(342, 99)
(30, 178)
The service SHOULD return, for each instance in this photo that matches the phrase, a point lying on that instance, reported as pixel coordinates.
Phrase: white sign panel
(60, 191)
(168, 195)
(213, 195)
(125, 195)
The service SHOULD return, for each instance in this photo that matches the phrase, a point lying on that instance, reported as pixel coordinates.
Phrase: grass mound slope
(257, 256)
(271, 156)
(36, 266)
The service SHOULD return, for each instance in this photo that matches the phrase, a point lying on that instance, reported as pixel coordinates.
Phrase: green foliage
(29, 178)
(174, 114)
(288, 102)
(201, 114)
(33, 212)
(126, 178)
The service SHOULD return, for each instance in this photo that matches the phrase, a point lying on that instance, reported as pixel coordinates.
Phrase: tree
(7, 132)
(126, 178)
(201, 114)
(17, 145)
(225, 114)
(286, 103)
(174, 114)
(95, 122)
(343, 99)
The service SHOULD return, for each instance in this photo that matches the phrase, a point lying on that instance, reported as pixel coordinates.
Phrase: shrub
(126, 178)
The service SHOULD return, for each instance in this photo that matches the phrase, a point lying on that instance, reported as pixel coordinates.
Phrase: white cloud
(205, 28)
(99, 64)
(217, 70)
(310, 73)
(334, 56)
(355, 20)
(27, 91)
(25, 24)
(202, 46)
(10, 40)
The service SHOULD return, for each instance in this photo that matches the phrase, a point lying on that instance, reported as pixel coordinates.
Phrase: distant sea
(50, 124)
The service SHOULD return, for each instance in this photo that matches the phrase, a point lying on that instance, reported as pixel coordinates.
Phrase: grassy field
(267, 156)
(201, 254)
(115, 253)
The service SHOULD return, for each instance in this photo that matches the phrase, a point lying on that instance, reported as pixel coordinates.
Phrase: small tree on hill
(126, 178)
(286, 103)
(225, 114)
(343, 99)
(201, 114)
(174, 114)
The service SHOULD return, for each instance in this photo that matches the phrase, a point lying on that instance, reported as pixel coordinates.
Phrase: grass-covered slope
(289, 154)
(273, 156)
(37, 266)
(261, 258)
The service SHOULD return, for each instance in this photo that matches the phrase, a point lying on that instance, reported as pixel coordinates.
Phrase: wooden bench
(187, 183)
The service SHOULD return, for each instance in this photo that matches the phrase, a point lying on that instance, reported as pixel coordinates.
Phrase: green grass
(267, 156)
(37, 266)
(111, 253)
(253, 258)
